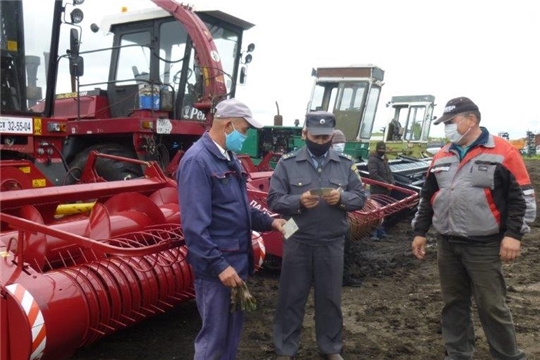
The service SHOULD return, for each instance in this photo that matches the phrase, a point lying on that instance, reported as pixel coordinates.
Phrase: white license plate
(163, 126)
(14, 125)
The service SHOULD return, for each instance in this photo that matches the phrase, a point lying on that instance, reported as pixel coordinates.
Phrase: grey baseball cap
(232, 108)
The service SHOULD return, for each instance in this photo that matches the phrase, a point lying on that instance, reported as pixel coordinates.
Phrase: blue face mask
(234, 140)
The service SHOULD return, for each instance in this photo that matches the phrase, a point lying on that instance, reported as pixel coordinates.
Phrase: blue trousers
(219, 336)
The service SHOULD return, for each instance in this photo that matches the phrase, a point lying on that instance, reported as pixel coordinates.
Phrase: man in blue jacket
(217, 222)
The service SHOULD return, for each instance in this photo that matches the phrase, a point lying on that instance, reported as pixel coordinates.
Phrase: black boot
(352, 282)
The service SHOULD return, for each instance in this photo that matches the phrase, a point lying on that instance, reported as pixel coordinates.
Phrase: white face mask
(339, 148)
(452, 134)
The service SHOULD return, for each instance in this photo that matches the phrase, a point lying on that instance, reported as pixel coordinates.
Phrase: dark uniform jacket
(216, 216)
(483, 196)
(379, 170)
(295, 174)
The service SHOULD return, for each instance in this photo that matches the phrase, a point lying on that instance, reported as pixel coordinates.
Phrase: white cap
(232, 108)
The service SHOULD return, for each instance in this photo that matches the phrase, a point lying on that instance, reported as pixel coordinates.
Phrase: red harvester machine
(82, 253)
(95, 255)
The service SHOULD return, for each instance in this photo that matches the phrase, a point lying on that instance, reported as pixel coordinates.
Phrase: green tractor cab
(407, 132)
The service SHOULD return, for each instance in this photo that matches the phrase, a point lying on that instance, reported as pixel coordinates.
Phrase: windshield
(415, 123)
(26, 30)
(226, 42)
(369, 115)
(323, 97)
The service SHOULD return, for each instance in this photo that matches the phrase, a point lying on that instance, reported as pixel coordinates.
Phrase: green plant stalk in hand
(241, 299)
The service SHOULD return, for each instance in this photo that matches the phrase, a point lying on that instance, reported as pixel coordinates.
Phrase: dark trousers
(303, 266)
(220, 333)
(467, 271)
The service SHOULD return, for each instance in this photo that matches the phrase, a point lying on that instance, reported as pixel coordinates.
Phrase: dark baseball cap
(232, 108)
(320, 123)
(454, 107)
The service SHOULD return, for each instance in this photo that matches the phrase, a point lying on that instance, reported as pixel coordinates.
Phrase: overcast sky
(487, 51)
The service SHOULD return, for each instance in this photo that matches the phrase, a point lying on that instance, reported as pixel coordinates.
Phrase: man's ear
(304, 134)
(228, 126)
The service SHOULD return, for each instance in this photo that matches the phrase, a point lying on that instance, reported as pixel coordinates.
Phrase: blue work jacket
(215, 212)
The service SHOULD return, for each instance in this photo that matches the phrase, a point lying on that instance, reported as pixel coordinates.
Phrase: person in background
(217, 221)
(338, 144)
(479, 198)
(315, 187)
(379, 170)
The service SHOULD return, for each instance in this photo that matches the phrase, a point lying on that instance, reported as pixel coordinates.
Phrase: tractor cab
(352, 95)
(156, 63)
(408, 128)
(145, 91)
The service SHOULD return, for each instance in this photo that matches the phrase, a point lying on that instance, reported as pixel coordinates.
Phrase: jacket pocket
(443, 174)
(227, 244)
(300, 184)
(339, 183)
(483, 175)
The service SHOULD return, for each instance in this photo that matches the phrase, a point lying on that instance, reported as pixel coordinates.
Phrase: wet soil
(394, 315)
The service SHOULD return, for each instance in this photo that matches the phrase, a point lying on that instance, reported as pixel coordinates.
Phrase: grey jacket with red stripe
(483, 197)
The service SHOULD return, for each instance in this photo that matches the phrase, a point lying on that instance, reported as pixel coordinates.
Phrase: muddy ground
(395, 315)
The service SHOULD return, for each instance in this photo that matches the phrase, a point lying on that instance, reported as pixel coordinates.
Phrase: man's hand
(510, 249)
(333, 197)
(419, 247)
(309, 201)
(230, 278)
(277, 225)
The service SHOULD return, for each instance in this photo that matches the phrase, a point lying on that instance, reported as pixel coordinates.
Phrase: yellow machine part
(72, 209)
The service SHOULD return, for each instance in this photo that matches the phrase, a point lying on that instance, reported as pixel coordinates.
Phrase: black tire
(109, 169)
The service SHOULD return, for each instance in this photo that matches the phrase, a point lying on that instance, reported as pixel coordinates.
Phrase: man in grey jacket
(315, 187)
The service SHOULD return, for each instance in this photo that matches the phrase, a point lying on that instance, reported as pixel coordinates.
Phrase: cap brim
(256, 124)
(320, 131)
(444, 118)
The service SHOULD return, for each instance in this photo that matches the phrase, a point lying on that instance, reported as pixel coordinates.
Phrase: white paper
(290, 228)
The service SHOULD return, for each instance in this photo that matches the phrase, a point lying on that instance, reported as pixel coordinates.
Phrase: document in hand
(290, 228)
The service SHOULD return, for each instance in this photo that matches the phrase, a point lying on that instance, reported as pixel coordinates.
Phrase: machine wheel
(109, 169)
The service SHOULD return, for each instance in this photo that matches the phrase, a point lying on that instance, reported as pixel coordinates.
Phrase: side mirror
(76, 66)
(74, 43)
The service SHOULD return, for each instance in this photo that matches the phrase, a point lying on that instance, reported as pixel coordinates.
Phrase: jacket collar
(485, 139)
(212, 148)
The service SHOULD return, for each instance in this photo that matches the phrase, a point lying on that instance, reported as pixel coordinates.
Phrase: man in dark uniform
(217, 222)
(315, 187)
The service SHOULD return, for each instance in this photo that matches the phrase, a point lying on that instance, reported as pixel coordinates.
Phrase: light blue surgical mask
(234, 140)
(339, 148)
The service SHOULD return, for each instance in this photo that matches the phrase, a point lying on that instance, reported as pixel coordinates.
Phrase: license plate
(13, 125)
